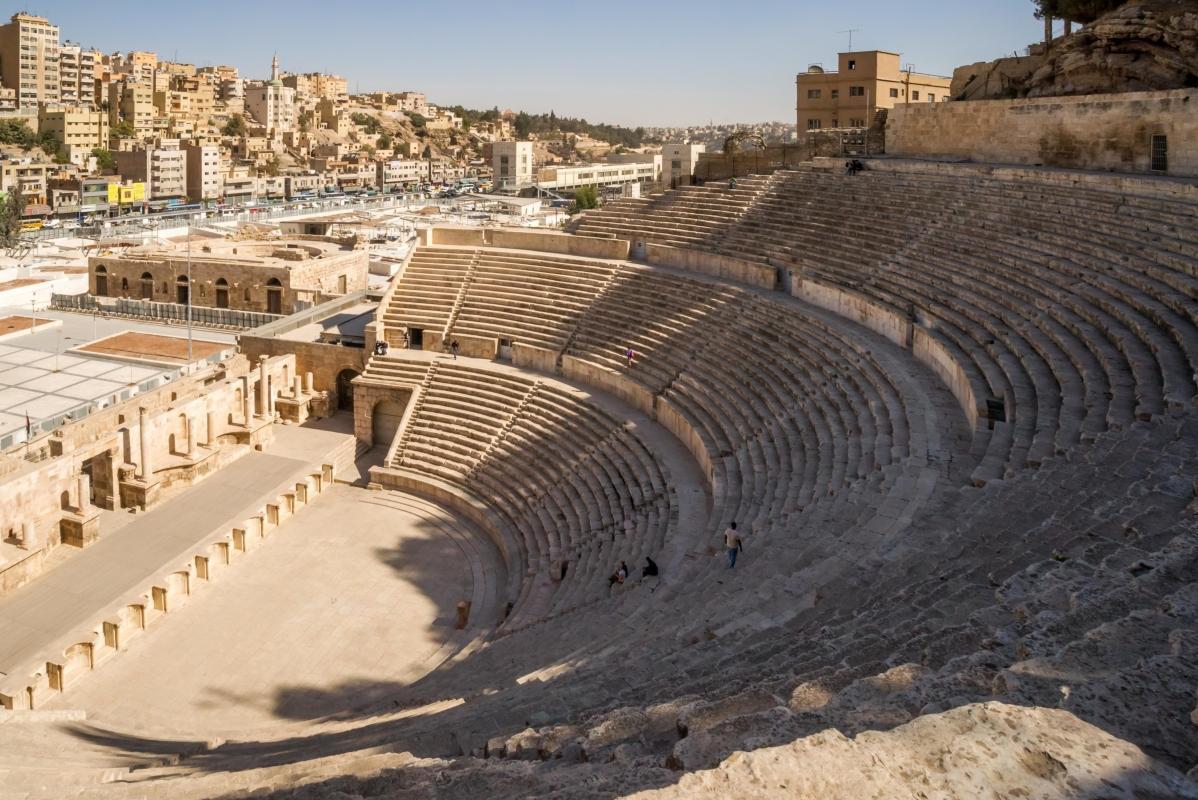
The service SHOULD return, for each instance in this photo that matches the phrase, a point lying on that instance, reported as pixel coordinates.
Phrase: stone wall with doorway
(324, 361)
(1113, 132)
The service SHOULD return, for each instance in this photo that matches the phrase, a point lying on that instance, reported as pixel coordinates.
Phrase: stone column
(308, 382)
(263, 384)
(212, 429)
(29, 535)
(246, 402)
(191, 436)
(298, 387)
(271, 391)
(85, 493)
(145, 469)
(114, 465)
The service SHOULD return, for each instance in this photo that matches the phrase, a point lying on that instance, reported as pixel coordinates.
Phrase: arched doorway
(345, 389)
(274, 296)
(101, 282)
(147, 286)
(385, 422)
(222, 293)
(181, 290)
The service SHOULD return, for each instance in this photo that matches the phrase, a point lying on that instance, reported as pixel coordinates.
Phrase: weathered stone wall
(714, 264)
(324, 361)
(307, 281)
(1100, 132)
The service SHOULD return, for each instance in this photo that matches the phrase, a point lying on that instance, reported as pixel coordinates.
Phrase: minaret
(274, 68)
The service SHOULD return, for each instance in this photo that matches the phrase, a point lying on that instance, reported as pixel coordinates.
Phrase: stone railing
(203, 316)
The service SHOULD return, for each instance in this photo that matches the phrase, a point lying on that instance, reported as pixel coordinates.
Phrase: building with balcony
(77, 75)
(29, 53)
(163, 168)
(79, 130)
(865, 82)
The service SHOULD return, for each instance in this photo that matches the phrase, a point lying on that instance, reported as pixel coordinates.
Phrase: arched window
(101, 281)
(274, 296)
(124, 285)
(181, 290)
(222, 293)
(147, 286)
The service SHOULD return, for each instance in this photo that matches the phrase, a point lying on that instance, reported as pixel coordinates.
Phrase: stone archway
(385, 422)
(345, 389)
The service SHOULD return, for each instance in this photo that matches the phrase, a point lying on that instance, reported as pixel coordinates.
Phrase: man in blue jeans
(733, 544)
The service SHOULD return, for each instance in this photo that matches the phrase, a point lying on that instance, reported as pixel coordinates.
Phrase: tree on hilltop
(11, 210)
(1083, 11)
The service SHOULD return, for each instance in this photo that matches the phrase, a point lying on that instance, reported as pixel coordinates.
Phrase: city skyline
(560, 58)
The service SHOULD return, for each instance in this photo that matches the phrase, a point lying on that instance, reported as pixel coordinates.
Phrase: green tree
(10, 216)
(372, 125)
(235, 126)
(1083, 11)
(13, 131)
(384, 142)
(418, 120)
(105, 160)
(49, 142)
(305, 121)
(585, 197)
(273, 167)
(122, 130)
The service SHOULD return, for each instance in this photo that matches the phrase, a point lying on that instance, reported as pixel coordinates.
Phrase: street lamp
(189, 287)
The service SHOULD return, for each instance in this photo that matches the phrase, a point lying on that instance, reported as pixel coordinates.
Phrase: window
(915, 94)
(1160, 153)
(813, 124)
(856, 91)
(835, 94)
(813, 94)
(894, 92)
(852, 64)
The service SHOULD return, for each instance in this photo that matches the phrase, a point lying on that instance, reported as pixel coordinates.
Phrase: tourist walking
(453, 346)
(630, 355)
(733, 544)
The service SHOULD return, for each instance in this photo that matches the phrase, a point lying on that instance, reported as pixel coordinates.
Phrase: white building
(272, 104)
(678, 162)
(578, 175)
(401, 172)
(511, 163)
(205, 176)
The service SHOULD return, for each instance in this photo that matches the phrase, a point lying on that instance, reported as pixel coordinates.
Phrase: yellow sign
(127, 193)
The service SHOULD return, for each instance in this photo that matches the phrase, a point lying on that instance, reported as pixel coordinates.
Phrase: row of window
(859, 91)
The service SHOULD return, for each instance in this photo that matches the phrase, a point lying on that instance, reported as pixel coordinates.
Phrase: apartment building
(678, 162)
(511, 163)
(205, 175)
(31, 176)
(319, 85)
(401, 173)
(29, 53)
(865, 82)
(77, 75)
(161, 166)
(133, 103)
(80, 130)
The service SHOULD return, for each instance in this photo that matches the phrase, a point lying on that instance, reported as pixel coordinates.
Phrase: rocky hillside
(1146, 45)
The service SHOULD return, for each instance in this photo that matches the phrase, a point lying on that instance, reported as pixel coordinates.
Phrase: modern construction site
(287, 515)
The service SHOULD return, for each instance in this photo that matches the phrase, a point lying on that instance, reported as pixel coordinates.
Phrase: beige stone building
(77, 75)
(29, 51)
(512, 164)
(30, 175)
(865, 82)
(132, 102)
(80, 131)
(678, 162)
(205, 175)
(272, 104)
(275, 276)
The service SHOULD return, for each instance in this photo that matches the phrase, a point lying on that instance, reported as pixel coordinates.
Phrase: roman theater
(950, 406)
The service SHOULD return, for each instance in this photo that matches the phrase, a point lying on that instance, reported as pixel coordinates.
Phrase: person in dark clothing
(453, 346)
(650, 568)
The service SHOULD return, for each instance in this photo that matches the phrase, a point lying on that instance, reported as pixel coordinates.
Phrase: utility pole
(189, 287)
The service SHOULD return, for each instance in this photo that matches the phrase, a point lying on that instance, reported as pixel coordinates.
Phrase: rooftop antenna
(850, 32)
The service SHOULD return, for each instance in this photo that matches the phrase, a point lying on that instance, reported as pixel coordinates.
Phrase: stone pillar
(85, 493)
(191, 436)
(114, 465)
(308, 383)
(29, 535)
(271, 390)
(246, 402)
(211, 429)
(145, 469)
(298, 387)
(263, 384)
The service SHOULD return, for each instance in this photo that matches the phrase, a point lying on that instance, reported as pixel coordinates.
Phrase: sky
(653, 63)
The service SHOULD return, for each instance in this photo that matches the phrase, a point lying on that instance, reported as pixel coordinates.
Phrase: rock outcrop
(1150, 45)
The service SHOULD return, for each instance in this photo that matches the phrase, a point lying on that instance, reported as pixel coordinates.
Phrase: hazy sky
(654, 62)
